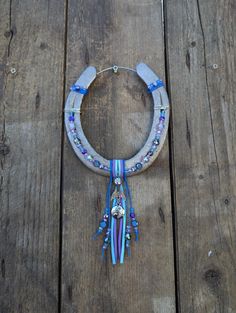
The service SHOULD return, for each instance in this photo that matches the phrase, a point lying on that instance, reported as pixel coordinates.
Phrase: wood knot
(213, 279)
(4, 149)
(70, 292)
(43, 45)
(162, 215)
(187, 59)
(37, 100)
(226, 201)
(99, 204)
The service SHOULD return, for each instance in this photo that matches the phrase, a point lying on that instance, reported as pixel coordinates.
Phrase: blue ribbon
(157, 84)
(79, 89)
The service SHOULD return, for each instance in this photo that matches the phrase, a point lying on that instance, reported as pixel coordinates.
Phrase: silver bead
(117, 211)
(117, 181)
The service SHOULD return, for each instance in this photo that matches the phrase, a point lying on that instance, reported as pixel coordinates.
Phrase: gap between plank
(62, 160)
(171, 163)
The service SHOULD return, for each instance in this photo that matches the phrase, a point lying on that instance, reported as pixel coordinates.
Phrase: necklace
(119, 219)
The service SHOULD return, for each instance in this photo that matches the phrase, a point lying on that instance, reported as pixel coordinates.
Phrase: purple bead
(84, 151)
(132, 215)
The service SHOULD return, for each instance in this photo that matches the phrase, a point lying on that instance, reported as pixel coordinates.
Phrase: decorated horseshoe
(83, 149)
(119, 218)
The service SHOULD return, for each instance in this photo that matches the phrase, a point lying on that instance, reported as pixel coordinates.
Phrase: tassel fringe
(119, 215)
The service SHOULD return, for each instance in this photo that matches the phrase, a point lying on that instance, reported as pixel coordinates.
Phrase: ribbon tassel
(119, 217)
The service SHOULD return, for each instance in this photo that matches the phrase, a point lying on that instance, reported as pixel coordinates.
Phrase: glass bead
(134, 223)
(90, 158)
(103, 224)
(156, 142)
(77, 141)
(128, 236)
(96, 163)
(71, 126)
(132, 215)
(153, 148)
(117, 180)
(138, 166)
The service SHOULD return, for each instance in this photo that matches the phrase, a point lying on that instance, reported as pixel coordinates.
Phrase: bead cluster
(134, 223)
(157, 84)
(107, 239)
(79, 89)
(79, 145)
(103, 223)
(138, 166)
(155, 143)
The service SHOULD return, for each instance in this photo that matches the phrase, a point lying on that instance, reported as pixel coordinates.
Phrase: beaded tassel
(119, 217)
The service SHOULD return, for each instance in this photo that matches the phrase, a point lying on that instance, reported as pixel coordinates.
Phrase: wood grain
(31, 92)
(201, 59)
(116, 119)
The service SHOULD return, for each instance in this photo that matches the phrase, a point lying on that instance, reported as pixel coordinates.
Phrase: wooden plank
(201, 57)
(116, 118)
(32, 49)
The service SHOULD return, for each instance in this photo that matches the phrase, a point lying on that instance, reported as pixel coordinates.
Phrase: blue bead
(71, 118)
(96, 163)
(81, 148)
(134, 223)
(131, 210)
(79, 89)
(103, 224)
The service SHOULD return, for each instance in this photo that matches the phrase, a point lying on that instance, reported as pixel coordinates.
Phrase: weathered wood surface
(116, 119)
(31, 92)
(201, 71)
(48, 261)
